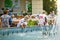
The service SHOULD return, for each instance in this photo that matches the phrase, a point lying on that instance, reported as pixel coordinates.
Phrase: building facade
(21, 5)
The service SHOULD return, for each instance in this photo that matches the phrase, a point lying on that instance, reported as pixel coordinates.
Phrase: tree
(8, 3)
(49, 5)
(29, 7)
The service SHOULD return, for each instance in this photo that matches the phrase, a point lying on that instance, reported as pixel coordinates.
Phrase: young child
(5, 19)
(42, 19)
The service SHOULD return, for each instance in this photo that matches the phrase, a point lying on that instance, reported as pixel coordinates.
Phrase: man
(5, 19)
(51, 17)
(10, 14)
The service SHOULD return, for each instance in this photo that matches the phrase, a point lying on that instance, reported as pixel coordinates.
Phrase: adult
(10, 14)
(22, 22)
(51, 17)
(5, 19)
(21, 13)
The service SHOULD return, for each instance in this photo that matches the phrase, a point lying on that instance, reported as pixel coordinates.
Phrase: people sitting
(22, 22)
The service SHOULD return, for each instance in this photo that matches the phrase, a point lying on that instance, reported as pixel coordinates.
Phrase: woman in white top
(22, 22)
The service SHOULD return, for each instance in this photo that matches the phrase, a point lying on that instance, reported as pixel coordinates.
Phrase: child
(42, 19)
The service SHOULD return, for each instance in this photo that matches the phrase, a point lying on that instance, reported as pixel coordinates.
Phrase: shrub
(32, 22)
(8, 3)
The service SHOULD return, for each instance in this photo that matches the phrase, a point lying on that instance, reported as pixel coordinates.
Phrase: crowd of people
(43, 19)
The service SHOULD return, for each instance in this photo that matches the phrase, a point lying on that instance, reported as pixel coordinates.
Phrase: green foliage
(32, 22)
(8, 3)
(29, 7)
(49, 5)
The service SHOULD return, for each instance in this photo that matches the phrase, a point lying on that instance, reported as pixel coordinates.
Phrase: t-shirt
(20, 21)
(5, 20)
(42, 18)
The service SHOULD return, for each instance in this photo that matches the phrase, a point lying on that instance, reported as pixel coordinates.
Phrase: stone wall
(37, 6)
(1, 3)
